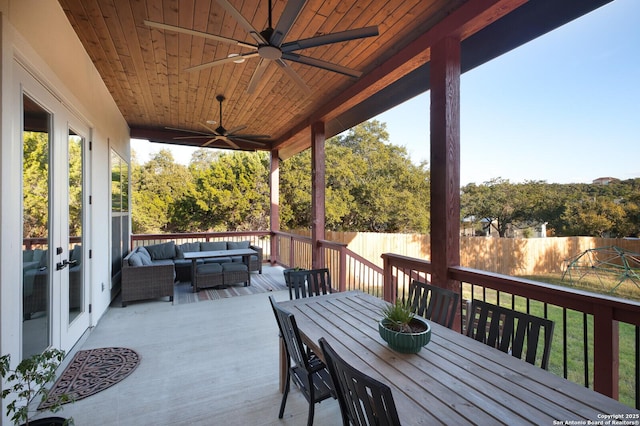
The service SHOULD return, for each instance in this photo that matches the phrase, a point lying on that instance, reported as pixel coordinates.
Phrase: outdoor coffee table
(195, 255)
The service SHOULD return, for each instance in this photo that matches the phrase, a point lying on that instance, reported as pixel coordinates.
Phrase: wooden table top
(218, 253)
(454, 379)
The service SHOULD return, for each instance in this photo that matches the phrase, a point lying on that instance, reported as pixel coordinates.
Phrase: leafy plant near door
(402, 329)
(29, 379)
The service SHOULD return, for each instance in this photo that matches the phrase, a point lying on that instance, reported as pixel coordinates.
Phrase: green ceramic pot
(406, 343)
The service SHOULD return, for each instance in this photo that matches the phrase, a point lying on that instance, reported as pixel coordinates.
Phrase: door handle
(64, 264)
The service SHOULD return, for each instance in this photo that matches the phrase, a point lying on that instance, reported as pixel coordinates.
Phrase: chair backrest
(290, 335)
(309, 282)
(434, 303)
(363, 400)
(513, 332)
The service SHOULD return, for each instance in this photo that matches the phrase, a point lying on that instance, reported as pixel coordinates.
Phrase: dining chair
(363, 400)
(309, 282)
(434, 303)
(308, 372)
(513, 332)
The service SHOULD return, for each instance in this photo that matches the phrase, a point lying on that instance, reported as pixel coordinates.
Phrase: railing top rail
(623, 309)
(290, 235)
(331, 243)
(137, 237)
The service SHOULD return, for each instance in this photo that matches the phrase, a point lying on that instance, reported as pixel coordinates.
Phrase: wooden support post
(606, 354)
(274, 214)
(445, 163)
(317, 192)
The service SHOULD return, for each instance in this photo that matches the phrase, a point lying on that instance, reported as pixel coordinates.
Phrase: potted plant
(402, 329)
(29, 379)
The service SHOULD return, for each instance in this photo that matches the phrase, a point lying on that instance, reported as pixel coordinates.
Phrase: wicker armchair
(147, 282)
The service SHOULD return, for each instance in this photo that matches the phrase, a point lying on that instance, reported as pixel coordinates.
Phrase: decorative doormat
(92, 371)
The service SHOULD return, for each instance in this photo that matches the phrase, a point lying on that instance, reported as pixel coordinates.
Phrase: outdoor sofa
(149, 272)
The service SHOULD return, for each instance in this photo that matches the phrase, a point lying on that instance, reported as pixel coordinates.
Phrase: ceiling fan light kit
(269, 44)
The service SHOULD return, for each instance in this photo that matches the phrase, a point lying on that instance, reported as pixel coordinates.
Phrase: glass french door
(54, 217)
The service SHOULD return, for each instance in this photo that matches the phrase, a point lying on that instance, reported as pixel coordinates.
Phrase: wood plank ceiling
(144, 68)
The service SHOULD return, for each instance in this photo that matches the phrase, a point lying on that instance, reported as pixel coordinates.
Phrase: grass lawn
(577, 329)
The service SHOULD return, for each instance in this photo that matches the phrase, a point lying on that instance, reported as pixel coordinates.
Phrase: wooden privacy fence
(509, 256)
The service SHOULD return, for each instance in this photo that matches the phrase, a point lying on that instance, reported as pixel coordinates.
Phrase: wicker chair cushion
(233, 267)
(162, 251)
(186, 248)
(144, 256)
(209, 268)
(213, 245)
(235, 245)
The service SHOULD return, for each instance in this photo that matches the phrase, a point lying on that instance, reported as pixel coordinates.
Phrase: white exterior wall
(39, 34)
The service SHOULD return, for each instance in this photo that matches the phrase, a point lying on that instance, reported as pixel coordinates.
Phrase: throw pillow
(186, 248)
(213, 245)
(135, 259)
(235, 245)
(146, 260)
(144, 255)
(162, 251)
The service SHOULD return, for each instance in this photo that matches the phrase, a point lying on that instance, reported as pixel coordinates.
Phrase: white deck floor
(206, 363)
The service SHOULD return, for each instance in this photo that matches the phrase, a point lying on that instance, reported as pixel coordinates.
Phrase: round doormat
(92, 371)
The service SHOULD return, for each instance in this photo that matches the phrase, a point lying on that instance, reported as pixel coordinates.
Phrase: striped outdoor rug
(271, 279)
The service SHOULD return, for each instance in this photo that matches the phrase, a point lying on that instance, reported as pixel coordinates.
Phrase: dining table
(454, 379)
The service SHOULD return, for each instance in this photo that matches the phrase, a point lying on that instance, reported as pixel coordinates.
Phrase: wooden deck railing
(353, 272)
(602, 317)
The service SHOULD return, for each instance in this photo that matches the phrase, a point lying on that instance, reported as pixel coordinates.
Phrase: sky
(564, 108)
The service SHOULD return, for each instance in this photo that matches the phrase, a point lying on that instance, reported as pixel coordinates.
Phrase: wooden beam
(317, 192)
(445, 163)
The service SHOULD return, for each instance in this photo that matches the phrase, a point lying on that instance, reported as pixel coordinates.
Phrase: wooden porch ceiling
(144, 67)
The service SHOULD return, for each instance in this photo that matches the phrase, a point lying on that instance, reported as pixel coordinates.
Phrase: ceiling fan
(230, 137)
(269, 44)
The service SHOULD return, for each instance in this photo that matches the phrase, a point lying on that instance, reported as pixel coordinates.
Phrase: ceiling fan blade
(330, 38)
(210, 141)
(289, 15)
(192, 137)
(322, 64)
(235, 129)
(243, 22)
(222, 61)
(257, 75)
(245, 136)
(188, 131)
(229, 142)
(294, 76)
(249, 141)
(162, 26)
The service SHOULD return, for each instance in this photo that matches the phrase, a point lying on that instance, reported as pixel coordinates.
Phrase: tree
(158, 187)
(370, 185)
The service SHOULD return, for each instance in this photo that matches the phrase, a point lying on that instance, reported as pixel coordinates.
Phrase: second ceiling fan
(270, 45)
(230, 137)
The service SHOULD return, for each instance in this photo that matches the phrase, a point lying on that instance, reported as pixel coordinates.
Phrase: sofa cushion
(162, 251)
(76, 254)
(27, 255)
(213, 245)
(44, 260)
(186, 248)
(135, 259)
(235, 245)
